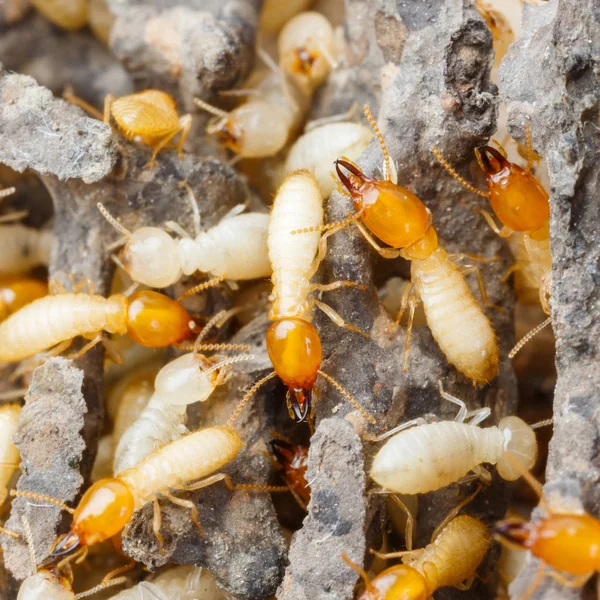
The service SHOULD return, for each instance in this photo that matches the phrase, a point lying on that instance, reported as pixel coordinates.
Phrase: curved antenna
(217, 321)
(386, 155)
(517, 347)
(200, 287)
(112, 220)
(452, 171)
(42, 498)
(247, 396)
(336, 225)
(209, 108)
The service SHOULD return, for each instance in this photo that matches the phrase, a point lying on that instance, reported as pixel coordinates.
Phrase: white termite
(24, 248)
(423, 457)
(234, 249)
(186, 380)
(9, 453)
(318, 149)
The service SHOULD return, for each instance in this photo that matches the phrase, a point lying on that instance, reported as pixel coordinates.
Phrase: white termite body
(318, 149)
(185, 582)
(44, 586)
(234, 249)
(190, 458)
(434, 455)
(50, 320)
(298, 205)
(23, 248)
(181, 382)
(9, 453)
(456, 320)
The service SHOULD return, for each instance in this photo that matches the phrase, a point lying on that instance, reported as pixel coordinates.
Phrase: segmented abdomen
(457, 322)
(298, 205)
(190, 458)
(49, 321)
(432, 456)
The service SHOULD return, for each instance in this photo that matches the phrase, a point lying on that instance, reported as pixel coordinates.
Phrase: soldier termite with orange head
(18, 290)
(520, 202)
(235, 249)
(422, 457)
(149, 318)
(398, 218)
(293, 343)
(451, 559)
(567, 542)
(149, 117)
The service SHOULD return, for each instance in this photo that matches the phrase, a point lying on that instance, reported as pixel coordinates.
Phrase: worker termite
(108, 504)
(422, 457)
(451, 559)
(521, 204)
(186, 380)
(261, 126)
(306, 47)
(149, 117)
(275, 13)
(149, 318)
(68, 14)
(292, 459)
(293, 342)
(567, 542)
(235, 249)
(18, 290)
(399, 218)
(9, 453)
(317, 149)
(24, 248)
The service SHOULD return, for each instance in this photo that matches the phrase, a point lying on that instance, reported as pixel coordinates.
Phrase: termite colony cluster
(257, 260)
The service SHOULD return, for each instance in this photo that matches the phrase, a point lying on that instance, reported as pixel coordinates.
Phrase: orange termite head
(393, 213)
(102, 513)
(516, 196)
(155, 320)
(294, 462)
(400, 581)
(515, 533)
(294, 348)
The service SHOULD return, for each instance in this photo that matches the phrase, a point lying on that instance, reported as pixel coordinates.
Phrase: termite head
(293, 459)
(399, 581)
(294, 348)
(102, 512)
(517, 197)
(393, 213)
(155, 320)
(519, 449)
(151, 256)
(514, 533)
(47, 583)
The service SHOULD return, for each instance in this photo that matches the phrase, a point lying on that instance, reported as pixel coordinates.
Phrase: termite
(186, 380)
(18, 290)
(24, 248)
(100, 20)
(292, 460)
(306, 47)
(502, 33)
(451, 559)
(566, 542)
(68, 14)
(520, 202)
(423, 457)
(317, 149)
(149, 318)
(149, 117)
(399, 218)
(261, 126)
(235, 249)
(9, 453)
(275, 13)
(293, 342)
(108, 504)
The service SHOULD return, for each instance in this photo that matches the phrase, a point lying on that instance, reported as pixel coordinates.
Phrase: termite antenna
(259, 487)
(212, 347)
(110, 576)
(544, 423)
(14, 394)
(30, 544)
(529, 146)
(200, 287)
(450, 169)
(217, 321)
(535, 485)
(209, 108)
(336, 226)
(101, 586)
(42, 498)
(112, 220)
(528, 337)
(344, 392)
(361, 572)
(247, 397)
(377, 131)
(229, 361)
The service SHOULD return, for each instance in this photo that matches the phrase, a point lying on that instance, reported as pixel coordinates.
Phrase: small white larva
(234, 249)
(9, 453)
(24, 248)
(431, 456)
(317, 150)
(188, 379)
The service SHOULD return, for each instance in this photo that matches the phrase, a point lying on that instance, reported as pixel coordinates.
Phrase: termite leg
(479, 472)
(168, 137)
(108, 100)
(516, 266)
(466, 585)
(336, 285)
(359, 570)
(410, 522)
(401, 554)
(467, 270)
(336, 317)
(462, 412)
(189, 505)
(198, 485)
(185, 124)
(535, 582)
(475, 257)
(412, 302)
(156, 523)
(9, 533)
(570, 582)
(394, 430)
(403, 305)
(15, 216)
(505, 232)
(454, 512)
(384, 252)
(69, 96)
(56, 287)
(75, 355)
